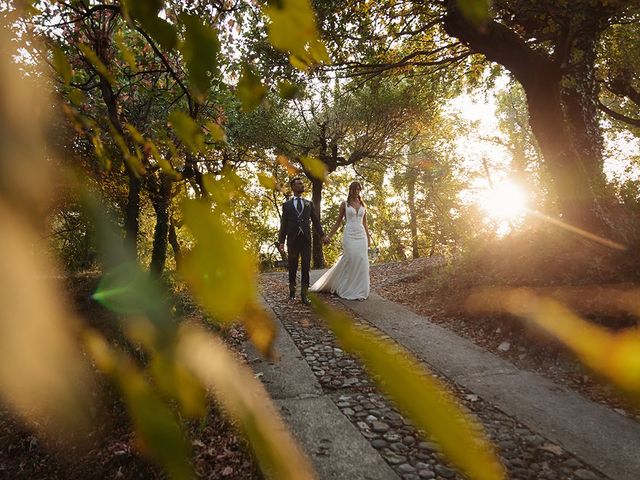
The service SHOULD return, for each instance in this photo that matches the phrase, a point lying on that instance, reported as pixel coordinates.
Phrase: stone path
(349, 430)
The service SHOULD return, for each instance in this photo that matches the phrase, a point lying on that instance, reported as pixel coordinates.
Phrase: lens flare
(506, 201)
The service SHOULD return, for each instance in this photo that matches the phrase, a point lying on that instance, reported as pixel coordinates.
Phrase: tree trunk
(562, 102)
(316, 199)
(580, 101)
(132, 210)
(571, 183)
(413, 219)
(175, 244)
(160, 201)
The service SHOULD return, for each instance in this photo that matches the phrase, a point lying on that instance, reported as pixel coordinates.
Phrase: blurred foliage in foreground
(142, 52)
(47, 355)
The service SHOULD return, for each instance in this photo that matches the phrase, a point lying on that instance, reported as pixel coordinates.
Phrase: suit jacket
(292, 222)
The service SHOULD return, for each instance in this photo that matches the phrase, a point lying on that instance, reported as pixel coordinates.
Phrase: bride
(349, 277)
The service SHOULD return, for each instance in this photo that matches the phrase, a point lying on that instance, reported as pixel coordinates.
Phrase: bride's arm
(338, 221)
(366, 229)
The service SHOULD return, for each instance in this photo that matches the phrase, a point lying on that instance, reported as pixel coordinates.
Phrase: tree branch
(499, 44)
(634, 122)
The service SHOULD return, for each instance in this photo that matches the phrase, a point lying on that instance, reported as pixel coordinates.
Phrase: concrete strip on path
(336, 448)
(594, 433)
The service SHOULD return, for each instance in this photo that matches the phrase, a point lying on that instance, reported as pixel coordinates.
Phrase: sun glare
(506, 201)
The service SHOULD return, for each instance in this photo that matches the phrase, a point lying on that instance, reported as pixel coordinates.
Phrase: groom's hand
(326, 240)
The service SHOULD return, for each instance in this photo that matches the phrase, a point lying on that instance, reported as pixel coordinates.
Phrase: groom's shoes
(292, 291)
(305, 298)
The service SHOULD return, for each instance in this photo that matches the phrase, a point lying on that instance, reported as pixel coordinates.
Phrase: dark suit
(296, 228)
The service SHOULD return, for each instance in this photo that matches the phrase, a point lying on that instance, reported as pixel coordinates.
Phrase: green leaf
(476, 12)
(200, 50)
(61, 64)
(77, 96)
(127, 290)
(317, 168)
(187, 130)
(157, 426)
(292, 28)
(250, 90)
(100, 67)
(162, 31)
(419, 395)
(124, 288)
(289, 90)
(128, 56)
(146, 12)
(221, 273)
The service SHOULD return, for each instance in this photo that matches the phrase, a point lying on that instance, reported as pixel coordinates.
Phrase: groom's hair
(295, 179)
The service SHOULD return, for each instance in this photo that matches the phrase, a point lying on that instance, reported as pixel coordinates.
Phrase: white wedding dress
(349, 277)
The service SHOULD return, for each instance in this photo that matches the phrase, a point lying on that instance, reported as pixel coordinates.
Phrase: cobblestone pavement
(526, 454)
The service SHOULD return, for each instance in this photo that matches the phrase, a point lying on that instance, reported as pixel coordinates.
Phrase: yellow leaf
(260, 328)
(134, 133)
(102, 354)
(317, 168)
(419, 395)
(175, 380)
(101, 153)
(221, 273)
(245, 399)
(224, 190)
(267, 181)
(292, 28)
(475, 11)
(43, 375)
(298, 62)
(159, 431)
(217, 132)
(164, 164)
(318, 51)
(133, 161)
(61, 64)
(188, 130)
(100, 67)
(614, 355)
(284, 161)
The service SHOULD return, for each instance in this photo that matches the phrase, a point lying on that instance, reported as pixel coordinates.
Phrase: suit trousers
(297, 247)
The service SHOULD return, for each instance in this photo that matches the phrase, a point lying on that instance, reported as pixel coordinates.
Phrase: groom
(297, 214)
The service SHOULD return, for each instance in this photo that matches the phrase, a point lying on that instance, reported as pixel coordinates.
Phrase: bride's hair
(353, 194)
